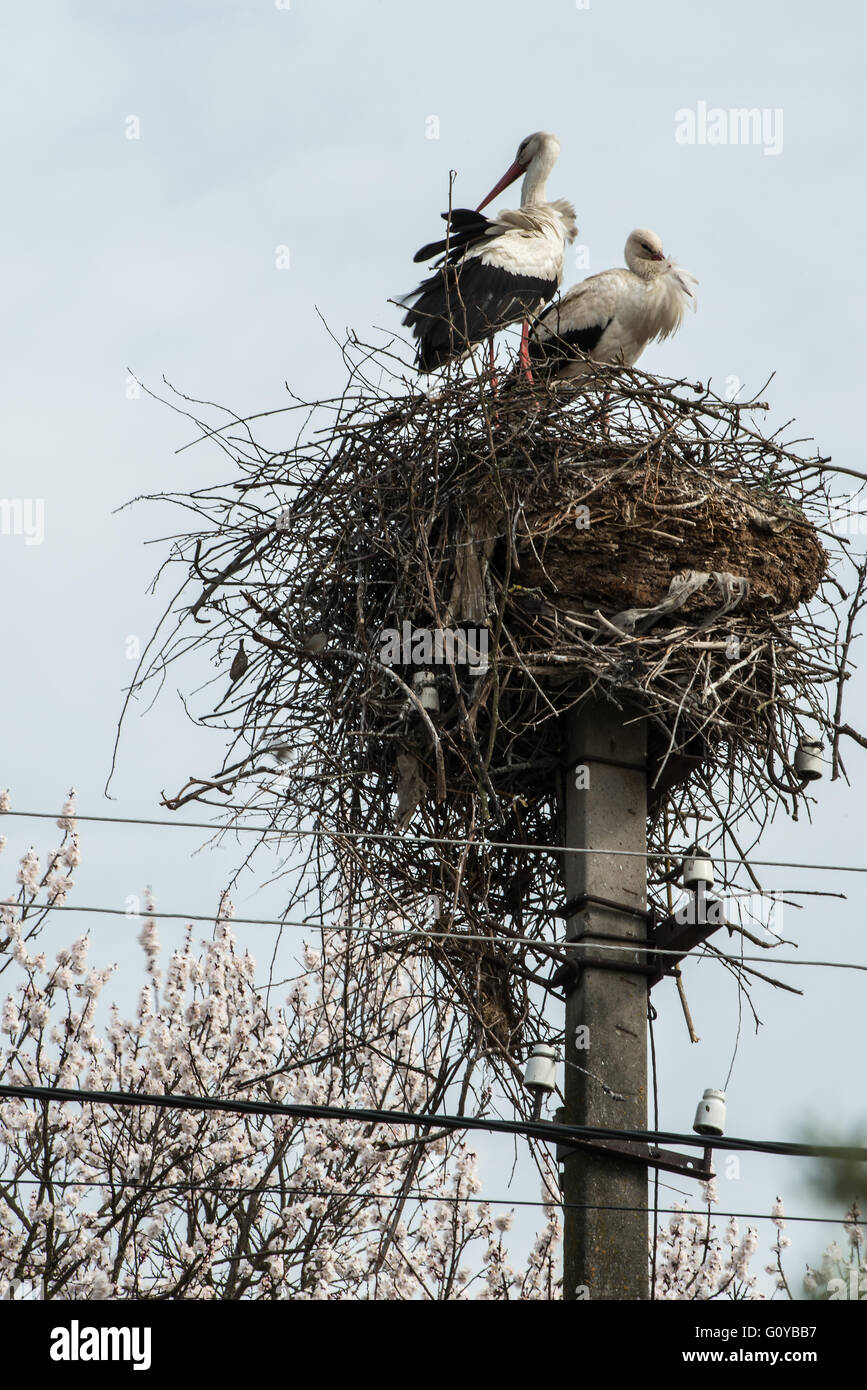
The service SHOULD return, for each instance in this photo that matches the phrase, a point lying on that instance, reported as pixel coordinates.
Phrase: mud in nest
(643, 542)
(640, 528)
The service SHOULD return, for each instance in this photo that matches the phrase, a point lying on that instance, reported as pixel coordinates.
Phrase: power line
(427, 839)
(447, 1198)
(227, 1190)
(547, 1131)
(370, 929)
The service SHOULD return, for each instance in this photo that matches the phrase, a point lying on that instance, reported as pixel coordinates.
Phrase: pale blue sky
(306, 127)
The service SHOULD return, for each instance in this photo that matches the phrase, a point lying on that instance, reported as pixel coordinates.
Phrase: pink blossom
(29, 871)
(66, 820)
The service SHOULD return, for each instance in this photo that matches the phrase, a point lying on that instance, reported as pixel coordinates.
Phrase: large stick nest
(642, 541)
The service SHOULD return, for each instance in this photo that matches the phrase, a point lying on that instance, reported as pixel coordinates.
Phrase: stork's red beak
(513, 172)
(658, 256)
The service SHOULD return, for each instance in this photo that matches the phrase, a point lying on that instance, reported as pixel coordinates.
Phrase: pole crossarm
(650, 1155)
(683, 931)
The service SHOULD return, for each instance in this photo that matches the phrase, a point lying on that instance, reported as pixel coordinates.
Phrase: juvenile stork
(496, 270)
(611, 317)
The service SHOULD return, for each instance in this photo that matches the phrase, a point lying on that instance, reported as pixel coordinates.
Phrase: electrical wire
(428, 839)
(545, 1130)
(447, 1198)
(318, 925)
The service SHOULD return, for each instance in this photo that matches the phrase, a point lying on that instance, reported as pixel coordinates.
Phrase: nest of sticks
(642, 541)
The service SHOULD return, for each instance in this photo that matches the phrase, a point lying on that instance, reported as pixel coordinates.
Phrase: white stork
(496, 270)
(611, 317)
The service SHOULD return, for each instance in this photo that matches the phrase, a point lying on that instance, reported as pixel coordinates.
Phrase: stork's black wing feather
(465, 217)
(461, 304)
(466, 228)
(561, 346)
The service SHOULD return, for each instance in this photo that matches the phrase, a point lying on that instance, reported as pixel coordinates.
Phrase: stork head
(644, 254)
(536, 157)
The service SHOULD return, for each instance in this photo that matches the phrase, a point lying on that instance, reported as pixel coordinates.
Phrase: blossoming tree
(121, 1202)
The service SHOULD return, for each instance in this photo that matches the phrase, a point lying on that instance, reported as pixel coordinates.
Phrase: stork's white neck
(533, 188)
(540, 166)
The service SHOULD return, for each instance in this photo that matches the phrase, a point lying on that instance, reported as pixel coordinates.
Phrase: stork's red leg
(525, 351)
(491, 364)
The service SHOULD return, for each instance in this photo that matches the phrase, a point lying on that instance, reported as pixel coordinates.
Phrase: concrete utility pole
(606, 1252)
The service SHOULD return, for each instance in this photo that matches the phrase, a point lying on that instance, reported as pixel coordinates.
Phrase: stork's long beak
(513, 172)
